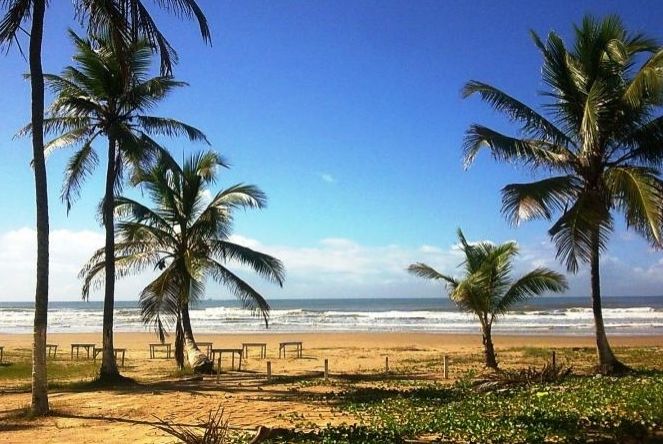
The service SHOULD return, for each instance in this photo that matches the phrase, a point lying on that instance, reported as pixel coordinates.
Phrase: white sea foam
(570, 320)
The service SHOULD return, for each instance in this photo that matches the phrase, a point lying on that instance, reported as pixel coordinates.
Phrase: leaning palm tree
(602, 142)
(101, 97)
(129, 18)
(487, 289)
(186, 238)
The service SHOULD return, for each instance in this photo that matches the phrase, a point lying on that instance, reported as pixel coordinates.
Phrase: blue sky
(348, 114)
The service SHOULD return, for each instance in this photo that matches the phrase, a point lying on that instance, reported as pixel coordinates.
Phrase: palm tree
(99, 98)
(487, 289)
(129, 18)
(186, 237)
(602, 143)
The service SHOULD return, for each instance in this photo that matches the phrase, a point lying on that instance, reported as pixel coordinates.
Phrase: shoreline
(346, 338)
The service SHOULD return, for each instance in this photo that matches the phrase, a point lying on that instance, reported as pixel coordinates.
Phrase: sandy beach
(95, 416)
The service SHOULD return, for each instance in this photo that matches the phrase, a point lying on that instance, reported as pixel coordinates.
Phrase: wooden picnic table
(51, 347)
(207, 345)
(116, 352)
(261, 345)
(232, 351)
(155, 345)
(297, 344)
(2, 353)
(80, 345)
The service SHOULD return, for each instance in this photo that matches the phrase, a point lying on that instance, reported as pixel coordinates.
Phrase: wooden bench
(233, 352)
(53, 348)
(297, 344)
(156, 345)
(207, 345)
(261, 345)
(116, 352)
(78, 346)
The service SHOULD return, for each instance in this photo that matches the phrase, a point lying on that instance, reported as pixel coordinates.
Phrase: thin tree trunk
(608, 362)
(489, 349)
(109, 371)
(179, 342)
(39, 405)
(198, 360)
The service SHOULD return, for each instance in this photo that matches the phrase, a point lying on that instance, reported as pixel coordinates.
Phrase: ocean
(546, 315)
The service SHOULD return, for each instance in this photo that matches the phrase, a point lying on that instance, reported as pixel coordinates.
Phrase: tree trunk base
(615, 368)
(106, 379)
(205, 367)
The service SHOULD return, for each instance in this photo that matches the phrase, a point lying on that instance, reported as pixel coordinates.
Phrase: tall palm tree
(186, 237)
(602, 143)
(487, 289)
(104, 96)
(133, 19)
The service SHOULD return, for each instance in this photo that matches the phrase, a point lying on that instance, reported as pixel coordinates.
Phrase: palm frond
(573, 234)
(80, 166)
(535, 126)
(18, 11)
(248, 297)
(534, 153)
(265, 265)
(534, 283)
(170, 127)
(638, 192)
(159, 301)
(541, 199)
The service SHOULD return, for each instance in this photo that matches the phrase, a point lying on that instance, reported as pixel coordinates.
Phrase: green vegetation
(601, 142)
(577, 410)
(487, 288)
(16, 370)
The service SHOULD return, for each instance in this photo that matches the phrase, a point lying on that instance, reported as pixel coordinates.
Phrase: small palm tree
(186, 237)
(101, 97)
(487, 289)
(129, 18)
(603, 144)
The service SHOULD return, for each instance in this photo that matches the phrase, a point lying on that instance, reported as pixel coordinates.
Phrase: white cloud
(331, 267)
(326, 177)
(69, 250)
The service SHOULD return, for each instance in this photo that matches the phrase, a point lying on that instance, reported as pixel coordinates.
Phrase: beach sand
(296, 394)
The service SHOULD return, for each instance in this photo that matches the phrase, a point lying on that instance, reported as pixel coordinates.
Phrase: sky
(348, 114)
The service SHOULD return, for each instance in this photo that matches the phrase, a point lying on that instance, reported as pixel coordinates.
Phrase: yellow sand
(109, 416)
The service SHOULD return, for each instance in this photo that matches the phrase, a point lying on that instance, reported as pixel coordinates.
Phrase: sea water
(544, 315)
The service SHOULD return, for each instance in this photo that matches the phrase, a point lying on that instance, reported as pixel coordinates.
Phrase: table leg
(239, 367)
(232, 365)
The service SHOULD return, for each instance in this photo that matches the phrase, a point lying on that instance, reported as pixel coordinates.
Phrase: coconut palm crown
(185, 236)
(600, 141)
(487, 288)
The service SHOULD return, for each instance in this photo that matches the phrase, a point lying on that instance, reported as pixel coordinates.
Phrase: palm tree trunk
(179, 342)
(489, 349)
(39, 405)
(608, 362)
(198, 360)
(109, 371)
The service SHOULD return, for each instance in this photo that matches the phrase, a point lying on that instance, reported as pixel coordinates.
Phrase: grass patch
(57, 370)
(580, 409)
